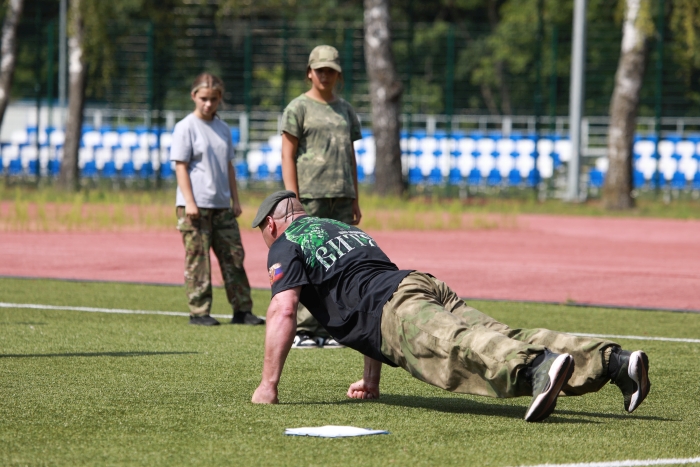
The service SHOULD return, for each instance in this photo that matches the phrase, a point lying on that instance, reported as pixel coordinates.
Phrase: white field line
(627, 463)
(98, 310)
(179, 313)
(639, 338)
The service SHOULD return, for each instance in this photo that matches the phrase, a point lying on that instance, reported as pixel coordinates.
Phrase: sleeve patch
(276, 273)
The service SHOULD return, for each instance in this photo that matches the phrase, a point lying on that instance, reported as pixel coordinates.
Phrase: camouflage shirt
(325, 151)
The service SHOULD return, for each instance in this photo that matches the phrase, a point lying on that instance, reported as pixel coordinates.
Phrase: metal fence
(445, 68)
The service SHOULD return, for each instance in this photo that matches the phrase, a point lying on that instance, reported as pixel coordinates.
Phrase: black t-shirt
(345, 279)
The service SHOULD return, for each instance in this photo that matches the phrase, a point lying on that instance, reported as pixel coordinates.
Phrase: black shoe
(629, 371)
(547, 377)
(246, 317)
(204, 320)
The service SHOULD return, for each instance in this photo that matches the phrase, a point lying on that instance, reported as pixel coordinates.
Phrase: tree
(9, 52)
(385, 94)
(625, 105)
(77, 72)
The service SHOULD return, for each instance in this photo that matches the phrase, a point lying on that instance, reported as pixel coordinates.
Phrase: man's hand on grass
(363, 390)
(265, 395)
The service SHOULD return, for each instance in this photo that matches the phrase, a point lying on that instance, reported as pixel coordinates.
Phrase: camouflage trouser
(216, 229)
(434, 335)
(339, 209)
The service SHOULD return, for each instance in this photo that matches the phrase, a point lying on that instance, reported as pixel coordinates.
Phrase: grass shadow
(618, 416)
(94, 354)
(468, 406)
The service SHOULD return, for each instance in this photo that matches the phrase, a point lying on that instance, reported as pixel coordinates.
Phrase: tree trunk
(617, 190)
(385, 93)
(9, 52)
(77, 71)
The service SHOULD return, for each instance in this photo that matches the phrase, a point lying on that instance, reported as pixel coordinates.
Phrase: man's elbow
(288, 312)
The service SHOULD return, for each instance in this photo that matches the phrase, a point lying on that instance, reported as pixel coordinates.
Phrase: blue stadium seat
(474, 177)
(263, 171)
(533, 178)
(435, 177)
(54, 167)
(514, 177)
(109, 170)
(277, 174)
(678, 181)
(146, 170)
(33, 167)
(242, 171)
(166, 171)
(494, 178)
(359, 155)
(15, 167)
(89, 169)
(595, 178)
(415, 176)
(128, 170)
(455, 176)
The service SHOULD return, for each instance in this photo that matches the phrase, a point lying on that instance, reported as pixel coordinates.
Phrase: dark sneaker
(547, 377)
(331, 343)
(304, 341)
(246, 317)
(204, 320)
(630, 373)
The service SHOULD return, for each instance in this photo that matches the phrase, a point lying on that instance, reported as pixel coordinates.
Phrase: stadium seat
(146, 170)
(89, 169)
(474, 177)
(514, 177)
(128, 171)
(242, 172)
(166, 171)
(595, 178)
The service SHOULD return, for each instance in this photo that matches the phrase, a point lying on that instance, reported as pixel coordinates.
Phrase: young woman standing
(207, 206)
(318, 161)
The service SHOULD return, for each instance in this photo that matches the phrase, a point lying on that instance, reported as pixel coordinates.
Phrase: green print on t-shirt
(313, 238)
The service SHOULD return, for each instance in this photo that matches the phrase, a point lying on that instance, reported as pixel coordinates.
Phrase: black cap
(269, 204)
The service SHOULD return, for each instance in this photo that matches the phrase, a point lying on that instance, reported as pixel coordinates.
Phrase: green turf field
(84, 388)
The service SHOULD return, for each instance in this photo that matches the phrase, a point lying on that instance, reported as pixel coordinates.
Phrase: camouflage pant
(339, 209)
(215, 229)
(434, 335)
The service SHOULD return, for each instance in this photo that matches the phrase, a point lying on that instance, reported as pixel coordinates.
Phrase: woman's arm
(233, 186)
(289, 162)
(185, 184)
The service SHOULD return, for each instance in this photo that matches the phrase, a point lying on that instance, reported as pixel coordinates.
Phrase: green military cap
(325, 56)
(269, 204)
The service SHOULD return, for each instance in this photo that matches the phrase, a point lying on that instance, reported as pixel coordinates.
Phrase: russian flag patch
(276, 273)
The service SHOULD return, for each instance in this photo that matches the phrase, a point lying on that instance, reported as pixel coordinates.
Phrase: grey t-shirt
(208, 150)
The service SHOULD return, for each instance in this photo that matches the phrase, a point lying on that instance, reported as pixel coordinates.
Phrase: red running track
(624, 262)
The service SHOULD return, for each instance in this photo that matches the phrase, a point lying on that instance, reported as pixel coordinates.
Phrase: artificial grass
(99, 389)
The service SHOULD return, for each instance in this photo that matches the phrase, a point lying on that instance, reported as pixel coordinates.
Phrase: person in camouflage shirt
(412, 320)
(318, 161)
